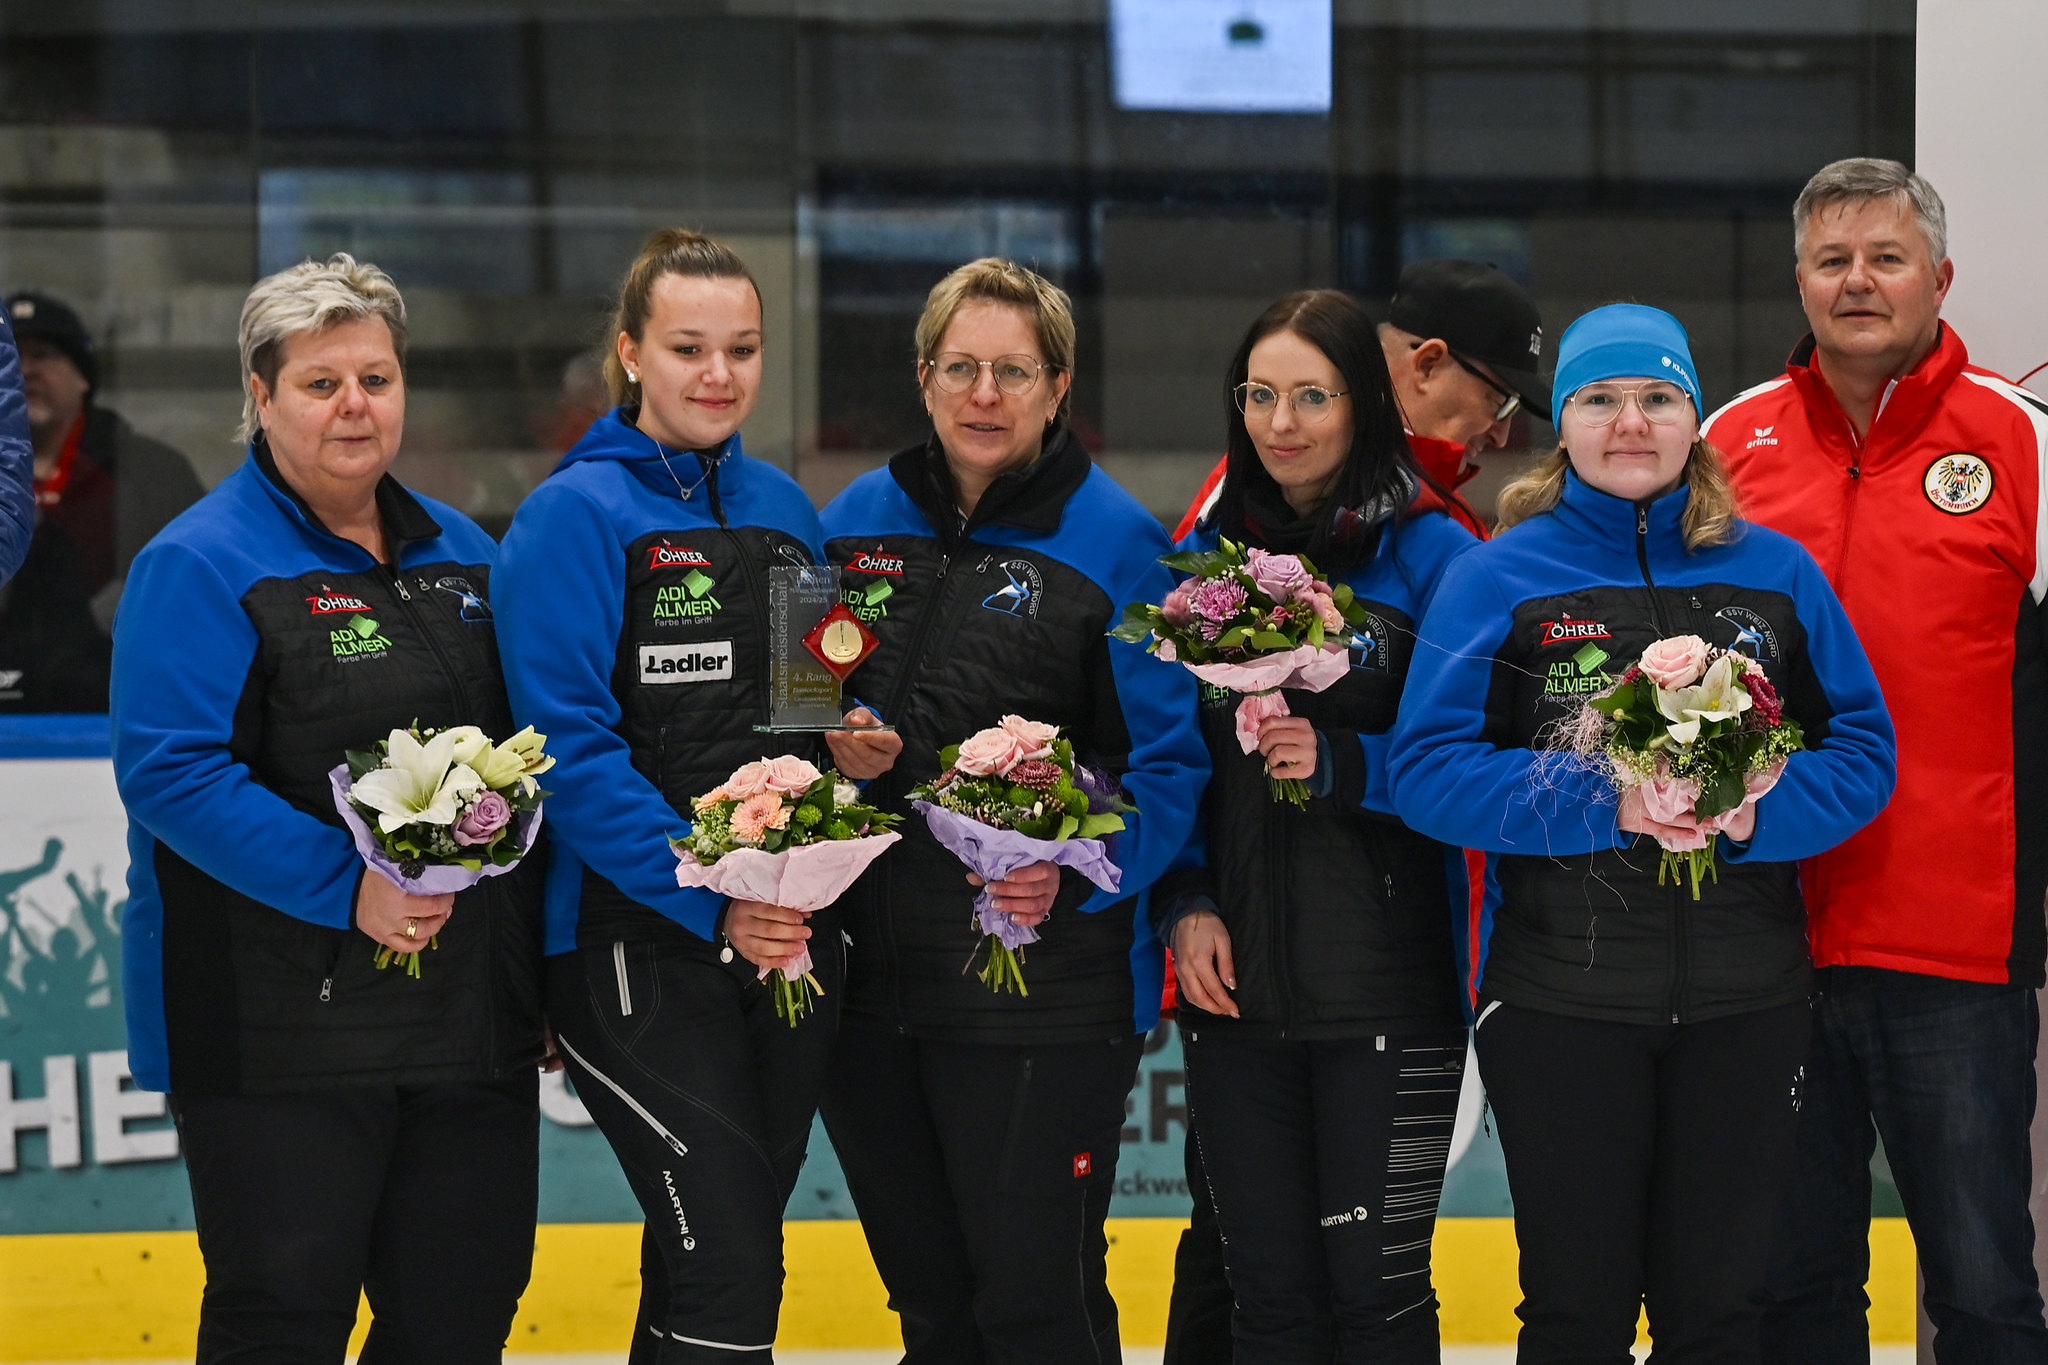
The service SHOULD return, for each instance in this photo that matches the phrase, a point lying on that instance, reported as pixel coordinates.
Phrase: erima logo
(10, 678)
(675, 557)
(874, 561)
(1558, 632)
(708, 662)
(1536, 342)
(1763, 437)
(328, 602)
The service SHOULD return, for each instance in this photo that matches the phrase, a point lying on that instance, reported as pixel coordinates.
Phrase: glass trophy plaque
(813, 643)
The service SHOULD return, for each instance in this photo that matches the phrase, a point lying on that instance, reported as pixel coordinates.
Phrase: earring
(632, 378)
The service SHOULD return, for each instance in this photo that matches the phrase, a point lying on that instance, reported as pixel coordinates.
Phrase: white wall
(1981, 105)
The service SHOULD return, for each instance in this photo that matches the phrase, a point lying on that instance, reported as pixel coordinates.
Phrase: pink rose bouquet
(1010, 796)
(1253, 623)
(781, 832)
(1693, 734)
(435, 811)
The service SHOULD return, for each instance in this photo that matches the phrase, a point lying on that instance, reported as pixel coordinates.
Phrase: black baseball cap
(38, 317)
(1476, 310)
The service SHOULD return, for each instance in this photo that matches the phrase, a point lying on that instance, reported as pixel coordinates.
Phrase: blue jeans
(1944, 1070)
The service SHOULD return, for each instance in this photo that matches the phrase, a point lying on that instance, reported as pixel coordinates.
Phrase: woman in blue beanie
(1642, 1050)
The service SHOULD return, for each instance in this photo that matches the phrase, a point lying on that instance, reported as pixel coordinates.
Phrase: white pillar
(1980, 106)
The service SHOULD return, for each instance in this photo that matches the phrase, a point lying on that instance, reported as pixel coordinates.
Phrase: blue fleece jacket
(560, 595)
(1450, 780)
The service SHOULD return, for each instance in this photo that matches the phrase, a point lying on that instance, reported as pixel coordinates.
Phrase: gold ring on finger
(412, 928)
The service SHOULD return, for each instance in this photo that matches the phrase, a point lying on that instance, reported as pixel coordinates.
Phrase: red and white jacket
(1934, 533)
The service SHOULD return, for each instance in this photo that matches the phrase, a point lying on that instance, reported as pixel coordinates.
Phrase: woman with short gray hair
(346, 1130)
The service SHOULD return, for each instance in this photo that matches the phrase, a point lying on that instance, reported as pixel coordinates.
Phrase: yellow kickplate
(132, 1295)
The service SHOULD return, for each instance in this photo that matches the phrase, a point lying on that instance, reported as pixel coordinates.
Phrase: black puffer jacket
(1009, 614)
(253, 649)
(1339, 915)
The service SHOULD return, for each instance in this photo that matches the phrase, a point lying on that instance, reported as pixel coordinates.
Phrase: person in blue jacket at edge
(1642, 1049)
(633, 619)
(1319, 1002)
(346, 1130)
(979, 1131)
(17, 461)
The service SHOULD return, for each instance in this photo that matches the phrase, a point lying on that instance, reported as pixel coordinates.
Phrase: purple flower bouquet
(1011, 796)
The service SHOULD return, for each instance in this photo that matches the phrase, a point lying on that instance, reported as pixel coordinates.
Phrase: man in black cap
(101, 491)
(1462, 342)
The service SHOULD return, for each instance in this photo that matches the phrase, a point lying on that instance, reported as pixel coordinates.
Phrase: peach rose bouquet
(1693, 733)
(1010, 796)
(781, 832)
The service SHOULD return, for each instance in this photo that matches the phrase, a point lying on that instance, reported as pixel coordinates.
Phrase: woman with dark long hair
(1319, 998)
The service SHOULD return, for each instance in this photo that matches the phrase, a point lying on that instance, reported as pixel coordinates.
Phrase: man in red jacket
(1461, 341)
(1915, 478)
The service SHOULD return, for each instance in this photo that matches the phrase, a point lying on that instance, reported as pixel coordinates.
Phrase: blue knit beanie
(1622, 341)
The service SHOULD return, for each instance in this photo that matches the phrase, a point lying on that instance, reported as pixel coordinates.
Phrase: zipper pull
(1642, 521)
(326, 990)
(1698, 605)
(399, 583)
(944, 560)
(986, 560)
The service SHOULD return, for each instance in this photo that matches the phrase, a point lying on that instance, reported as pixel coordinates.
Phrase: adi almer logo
(359, 637)
(689, 598)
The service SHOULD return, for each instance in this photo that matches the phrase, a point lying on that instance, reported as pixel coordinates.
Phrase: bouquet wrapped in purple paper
(436, 811)
(1010, 796)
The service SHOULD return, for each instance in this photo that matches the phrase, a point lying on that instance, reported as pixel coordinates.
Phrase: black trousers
(1198, 1314)
(1646, 1162)
(421, 1197)
(1326, 1162)
(982, 1174)
(706, 1096)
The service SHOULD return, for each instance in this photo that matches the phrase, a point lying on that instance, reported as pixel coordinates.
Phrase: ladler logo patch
(710, 661)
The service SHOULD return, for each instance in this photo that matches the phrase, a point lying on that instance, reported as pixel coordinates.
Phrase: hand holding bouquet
(1695, 735)
(780, 832)
(449, 808)
(1010, 796)
(1251, 622)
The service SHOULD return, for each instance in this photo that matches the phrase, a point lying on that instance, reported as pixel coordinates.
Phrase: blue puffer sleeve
(1447, 780)
(17, 461)
(1423, 549)
(1169, 764)
(559, 593)
(173, 713)
(1828, 793)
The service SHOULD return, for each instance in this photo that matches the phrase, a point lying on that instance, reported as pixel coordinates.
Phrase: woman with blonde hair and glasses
(979, 1130)
(1641, 1049)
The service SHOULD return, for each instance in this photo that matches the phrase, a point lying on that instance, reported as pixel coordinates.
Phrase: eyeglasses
(1510, 401)
(1310, 402)
(956, 372)
(1599, 404)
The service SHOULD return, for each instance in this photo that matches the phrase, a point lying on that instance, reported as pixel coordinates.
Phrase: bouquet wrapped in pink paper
(1254, 623)
(1010, 796)
(436, 811)
(781, 832)
(1696, 734)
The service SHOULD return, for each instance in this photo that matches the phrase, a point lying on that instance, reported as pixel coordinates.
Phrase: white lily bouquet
(436, 811)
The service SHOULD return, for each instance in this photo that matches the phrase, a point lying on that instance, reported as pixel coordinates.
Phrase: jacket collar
(1033, 498)
(1907, 402)
(406, 522)
(1614, 522)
